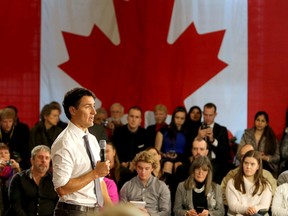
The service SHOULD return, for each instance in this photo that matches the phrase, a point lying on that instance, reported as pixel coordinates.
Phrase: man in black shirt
(131, 138)
(31, 191)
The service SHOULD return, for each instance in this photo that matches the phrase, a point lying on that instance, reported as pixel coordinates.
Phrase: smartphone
(199, 209)
(262, 211)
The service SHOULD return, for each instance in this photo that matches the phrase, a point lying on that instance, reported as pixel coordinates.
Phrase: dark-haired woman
(263, 138)
(192, 125)
(171, 141)
(198, 195)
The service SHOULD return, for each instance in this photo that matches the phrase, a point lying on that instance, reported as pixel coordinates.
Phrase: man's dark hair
(210, 105)
(135, 108)
(73, 97)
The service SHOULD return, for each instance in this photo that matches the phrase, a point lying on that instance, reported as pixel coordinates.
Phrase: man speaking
(77, 169)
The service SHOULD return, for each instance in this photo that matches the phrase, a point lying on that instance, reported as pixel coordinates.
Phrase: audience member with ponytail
(263, 138)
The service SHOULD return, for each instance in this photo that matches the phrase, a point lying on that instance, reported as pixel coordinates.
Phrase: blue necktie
(97, 187)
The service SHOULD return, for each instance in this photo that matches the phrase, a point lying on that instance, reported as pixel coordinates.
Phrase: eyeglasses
(203, 169)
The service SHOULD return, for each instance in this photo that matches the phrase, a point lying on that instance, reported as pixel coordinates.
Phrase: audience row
(174, 149)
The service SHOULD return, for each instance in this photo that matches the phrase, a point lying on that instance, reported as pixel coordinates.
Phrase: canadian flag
(139, 52)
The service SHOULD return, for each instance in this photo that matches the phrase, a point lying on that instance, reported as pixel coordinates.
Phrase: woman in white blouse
(249, 193)
(280, 201)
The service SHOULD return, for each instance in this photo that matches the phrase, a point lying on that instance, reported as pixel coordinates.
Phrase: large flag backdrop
(140, 52)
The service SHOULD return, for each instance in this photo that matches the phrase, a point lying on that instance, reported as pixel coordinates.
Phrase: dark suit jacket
(223, 161)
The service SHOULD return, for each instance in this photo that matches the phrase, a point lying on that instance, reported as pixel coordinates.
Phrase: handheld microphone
(102, 144)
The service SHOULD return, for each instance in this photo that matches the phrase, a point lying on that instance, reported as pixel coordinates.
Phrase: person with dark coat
(31, 191)
(15, 135)
(46, 131)
(218, 141)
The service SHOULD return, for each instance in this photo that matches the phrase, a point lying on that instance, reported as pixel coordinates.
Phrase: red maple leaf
(143, 69)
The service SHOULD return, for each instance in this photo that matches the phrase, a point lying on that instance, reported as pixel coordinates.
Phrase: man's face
(116, 112)
(7, 124)
(53, 117)
(41, 162)
(5, 154)
(144, 170)
(209, 115)
(134, 119)
(83, 117)
(160, 116)
(199, 148)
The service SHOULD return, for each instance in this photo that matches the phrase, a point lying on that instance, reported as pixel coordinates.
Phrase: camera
(105, 123)
(9, 163)
(204, 126)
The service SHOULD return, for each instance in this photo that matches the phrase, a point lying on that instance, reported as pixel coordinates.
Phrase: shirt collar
(78, 132)
(212, 125)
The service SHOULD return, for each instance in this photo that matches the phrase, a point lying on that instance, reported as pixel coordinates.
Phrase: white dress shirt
(70, 160)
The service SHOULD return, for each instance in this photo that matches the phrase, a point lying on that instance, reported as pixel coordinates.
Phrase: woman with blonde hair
(198, 195)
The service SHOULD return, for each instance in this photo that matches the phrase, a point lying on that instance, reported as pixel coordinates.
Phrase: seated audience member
(130, 139)
(157, 172)
(100, 127)
(172, 142)
(262, 137)
(282, 178)
(160, 115)
(46, 131)
(101, 116)
(266, 174)
(199, 148)
(112, 189)
(17, 121)
(193, 123)
(248, 192)
(118, 173)
(146, 187)
(284, 148)
(218, 141)
(60, 123)
(15, 135)
(31, 191)
(280, 201)
(117, 116)
(8, 167)
(198, 195)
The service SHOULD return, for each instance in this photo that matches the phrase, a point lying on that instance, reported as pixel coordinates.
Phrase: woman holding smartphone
(198, 195)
